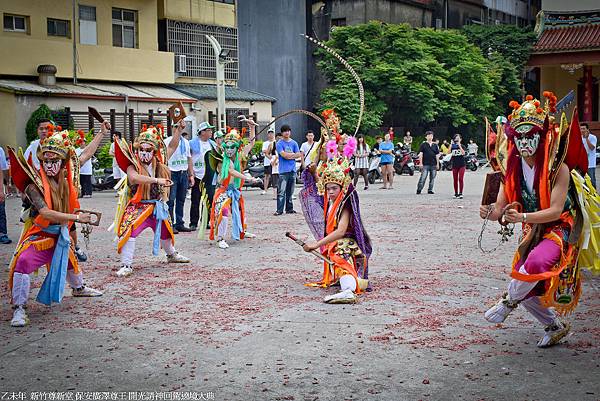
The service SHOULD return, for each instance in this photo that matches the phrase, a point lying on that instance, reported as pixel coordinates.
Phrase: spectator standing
(306, 148)
(428, 152)
(361, 161)
(43, 125)
(288, 151)
(275, 165)
(590, 142)
(182, 175)
(391, 132)
(117, 172)
(472, 147)
(199, 146)
(266, 151)
(458, 166)
(386, 148)
(85, 173)
(378, 141)
(3, 229)
(445, 147)
(408, 139)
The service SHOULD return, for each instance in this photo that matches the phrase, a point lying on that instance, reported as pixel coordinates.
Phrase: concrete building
(566, 55)
(125, 57)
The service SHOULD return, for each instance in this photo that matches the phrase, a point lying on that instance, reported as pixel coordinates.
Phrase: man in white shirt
(182, 175)
(85, 174)
(3, 230)
(199, 146)
(472, 147)
(43, 126)
(266, 146)
(590, 142)
(306, 148)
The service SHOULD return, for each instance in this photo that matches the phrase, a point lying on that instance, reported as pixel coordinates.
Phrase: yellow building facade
(103, 60)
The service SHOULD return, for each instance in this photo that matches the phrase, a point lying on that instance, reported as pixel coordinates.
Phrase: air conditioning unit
(180, 63)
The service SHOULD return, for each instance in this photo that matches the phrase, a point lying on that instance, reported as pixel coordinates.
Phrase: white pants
(347, 282)
(128, 250)
(518, 290)
(22, 285)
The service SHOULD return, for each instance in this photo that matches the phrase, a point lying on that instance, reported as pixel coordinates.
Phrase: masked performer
(543, 190)
(339, 231)
(228, 198)
(145, 194)
(52, 193)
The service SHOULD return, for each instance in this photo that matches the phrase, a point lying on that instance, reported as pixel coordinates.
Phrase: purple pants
(541, 258)
(31, 259)
(151, 222)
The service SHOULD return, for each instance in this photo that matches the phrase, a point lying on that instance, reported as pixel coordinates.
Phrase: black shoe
(175, 231)
(418, 192)
(460, 196)
(291, 212)
(277, 213)
(430, 192)
(183, 229)
(193, 227)
(366, 188)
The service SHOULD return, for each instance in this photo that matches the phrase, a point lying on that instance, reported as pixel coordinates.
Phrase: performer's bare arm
(337, 234)
(251, 138)
(136, 178)
(557, 202)
(38, 202)
(91, 148)
(497, 207)
(172, 147)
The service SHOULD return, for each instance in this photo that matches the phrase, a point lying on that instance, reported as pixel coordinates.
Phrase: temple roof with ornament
(563, 31)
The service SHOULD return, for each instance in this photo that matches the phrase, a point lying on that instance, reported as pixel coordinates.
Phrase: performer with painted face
(142, 202)
(542, 163)
(331, 208)
(228, 199)
(52, 193)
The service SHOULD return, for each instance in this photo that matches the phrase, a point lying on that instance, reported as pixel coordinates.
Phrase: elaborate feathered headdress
(149, 135)
(336, 170)
(57, 141)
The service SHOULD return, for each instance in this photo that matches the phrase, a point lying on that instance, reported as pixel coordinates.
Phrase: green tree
(416, 76)
(508, 48)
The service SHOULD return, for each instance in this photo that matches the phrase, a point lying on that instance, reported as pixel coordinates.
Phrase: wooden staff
(314, 252)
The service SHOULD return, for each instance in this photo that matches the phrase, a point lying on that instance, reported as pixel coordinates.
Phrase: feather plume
(331, 149)
(350, 147)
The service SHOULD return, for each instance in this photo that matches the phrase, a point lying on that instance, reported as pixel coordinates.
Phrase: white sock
(128, 252)
(20, 288)
(167, 245)
(348, 282)
(222, 229)
(74, 280)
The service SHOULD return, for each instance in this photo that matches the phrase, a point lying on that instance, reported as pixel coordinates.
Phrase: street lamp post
(221, 59)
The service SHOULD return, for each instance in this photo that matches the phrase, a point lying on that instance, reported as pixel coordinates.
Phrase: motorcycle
(374, 169)
(416, 161)
(102, 179)
(446, 162)
(255, 169)
(472, 162)
(403, 162)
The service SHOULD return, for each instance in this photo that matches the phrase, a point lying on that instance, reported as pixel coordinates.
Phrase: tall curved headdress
(361, 92)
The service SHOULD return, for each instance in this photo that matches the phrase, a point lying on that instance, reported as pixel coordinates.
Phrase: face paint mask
(231, 149)
(52, 167)
(527, 145)
(146, 156)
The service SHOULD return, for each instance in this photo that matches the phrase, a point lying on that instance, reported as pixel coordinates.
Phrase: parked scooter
(255, 169)
(446, 162)
(472, 162)
(403, 162)
(102, 179)
(374, 169)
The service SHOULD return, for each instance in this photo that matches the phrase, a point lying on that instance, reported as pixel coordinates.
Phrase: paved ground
(240, 323)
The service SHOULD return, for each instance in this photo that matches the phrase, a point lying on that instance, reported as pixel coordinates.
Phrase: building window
(338, 22)
(123, 28)
(87, 25)
(59, 27)
(15, 23)
(188, 39)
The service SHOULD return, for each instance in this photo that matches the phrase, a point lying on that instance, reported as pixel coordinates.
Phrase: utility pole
(74, 23)
(221, 59)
